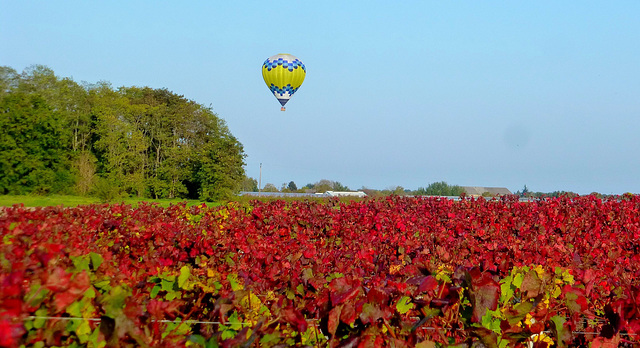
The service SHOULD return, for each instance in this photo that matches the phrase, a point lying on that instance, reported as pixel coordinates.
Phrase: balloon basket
(282, 109)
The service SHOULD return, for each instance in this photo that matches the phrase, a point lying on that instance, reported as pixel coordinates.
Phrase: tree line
(440, 188)
(58, 136)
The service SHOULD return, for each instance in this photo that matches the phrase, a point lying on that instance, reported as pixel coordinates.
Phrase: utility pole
(260, 181)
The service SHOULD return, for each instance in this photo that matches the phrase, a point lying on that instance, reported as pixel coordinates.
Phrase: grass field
(72, 201)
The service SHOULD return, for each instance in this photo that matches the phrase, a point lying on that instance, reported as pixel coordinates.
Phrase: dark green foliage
(440, 189)
(219, 169)
(325, 185)
(33, 146)
(249, 184)
(58, 136)
(107, 189)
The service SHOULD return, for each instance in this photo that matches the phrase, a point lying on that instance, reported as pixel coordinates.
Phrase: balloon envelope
(283, 74)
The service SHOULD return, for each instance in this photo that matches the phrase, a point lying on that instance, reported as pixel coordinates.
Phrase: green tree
(84, 168)
(440, 188)
(66, 103)
(525, 192)
(269, 188)
(65, 97)
(220, 164)
(191, 152)
(323, 185)
(249, 184)
(34, 155)
(398, 191)
(120, 144)
(292, 186)
(339, 187)
(161, 115)
(9, 80)
(138, 141)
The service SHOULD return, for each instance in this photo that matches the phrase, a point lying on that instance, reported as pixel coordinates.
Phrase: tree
(249, 184)
(269, 188)
(33, 146)
(65, 97)
(398, 191)
(133, 140)
(219, 166)
(121, 145)
(85, 172)
(440, 189)
(325, 185)
(525, 191)
(339, 187)
(292, 186)
(9, 80)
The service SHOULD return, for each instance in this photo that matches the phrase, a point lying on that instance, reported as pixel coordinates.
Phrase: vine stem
(386, 324)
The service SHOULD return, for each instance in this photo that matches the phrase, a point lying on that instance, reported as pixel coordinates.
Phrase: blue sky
(496, 93)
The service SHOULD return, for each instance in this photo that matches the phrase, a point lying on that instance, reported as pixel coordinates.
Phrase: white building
(345, 194)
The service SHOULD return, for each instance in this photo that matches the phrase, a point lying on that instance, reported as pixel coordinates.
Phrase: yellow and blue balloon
(283, 74)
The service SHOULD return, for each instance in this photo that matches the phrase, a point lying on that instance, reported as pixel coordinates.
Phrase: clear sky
(475, 93)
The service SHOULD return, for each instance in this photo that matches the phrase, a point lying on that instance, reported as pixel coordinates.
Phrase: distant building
(298, 194)
(345, 194)
(491, 191)
(276, 194)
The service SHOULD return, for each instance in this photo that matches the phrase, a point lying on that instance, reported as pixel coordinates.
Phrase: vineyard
(387, 272)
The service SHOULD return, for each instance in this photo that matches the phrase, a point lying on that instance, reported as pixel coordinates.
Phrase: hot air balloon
(283, 74)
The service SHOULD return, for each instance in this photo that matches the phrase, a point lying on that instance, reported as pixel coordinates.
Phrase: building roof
(301, 194)
(277, 194)
(345, 194)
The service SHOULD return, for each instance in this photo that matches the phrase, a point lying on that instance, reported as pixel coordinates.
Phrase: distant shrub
(107, 190)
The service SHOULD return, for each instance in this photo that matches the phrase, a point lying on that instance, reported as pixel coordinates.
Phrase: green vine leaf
(185, 273)
(404, 305)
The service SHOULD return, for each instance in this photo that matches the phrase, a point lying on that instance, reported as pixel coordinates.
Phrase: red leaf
(582, 301)
(80, 283)
(588, 280)
(376, 295)
(309, 252)
(348, 314)
(10, 333)
(400, 286)
(53, 247)
(58, 280)
(370, 313)
(159, 309)
(343, 290)
(64, 299)
(394, 342)
(334, 320)
(12, 306)
(295, 319)
(12, 284)
(485, 294)
(531, 284)
(601, 342)
(634, 326)
(428, 284)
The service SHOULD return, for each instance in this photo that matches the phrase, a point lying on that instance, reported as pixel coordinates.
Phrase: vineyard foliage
(394, 272)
